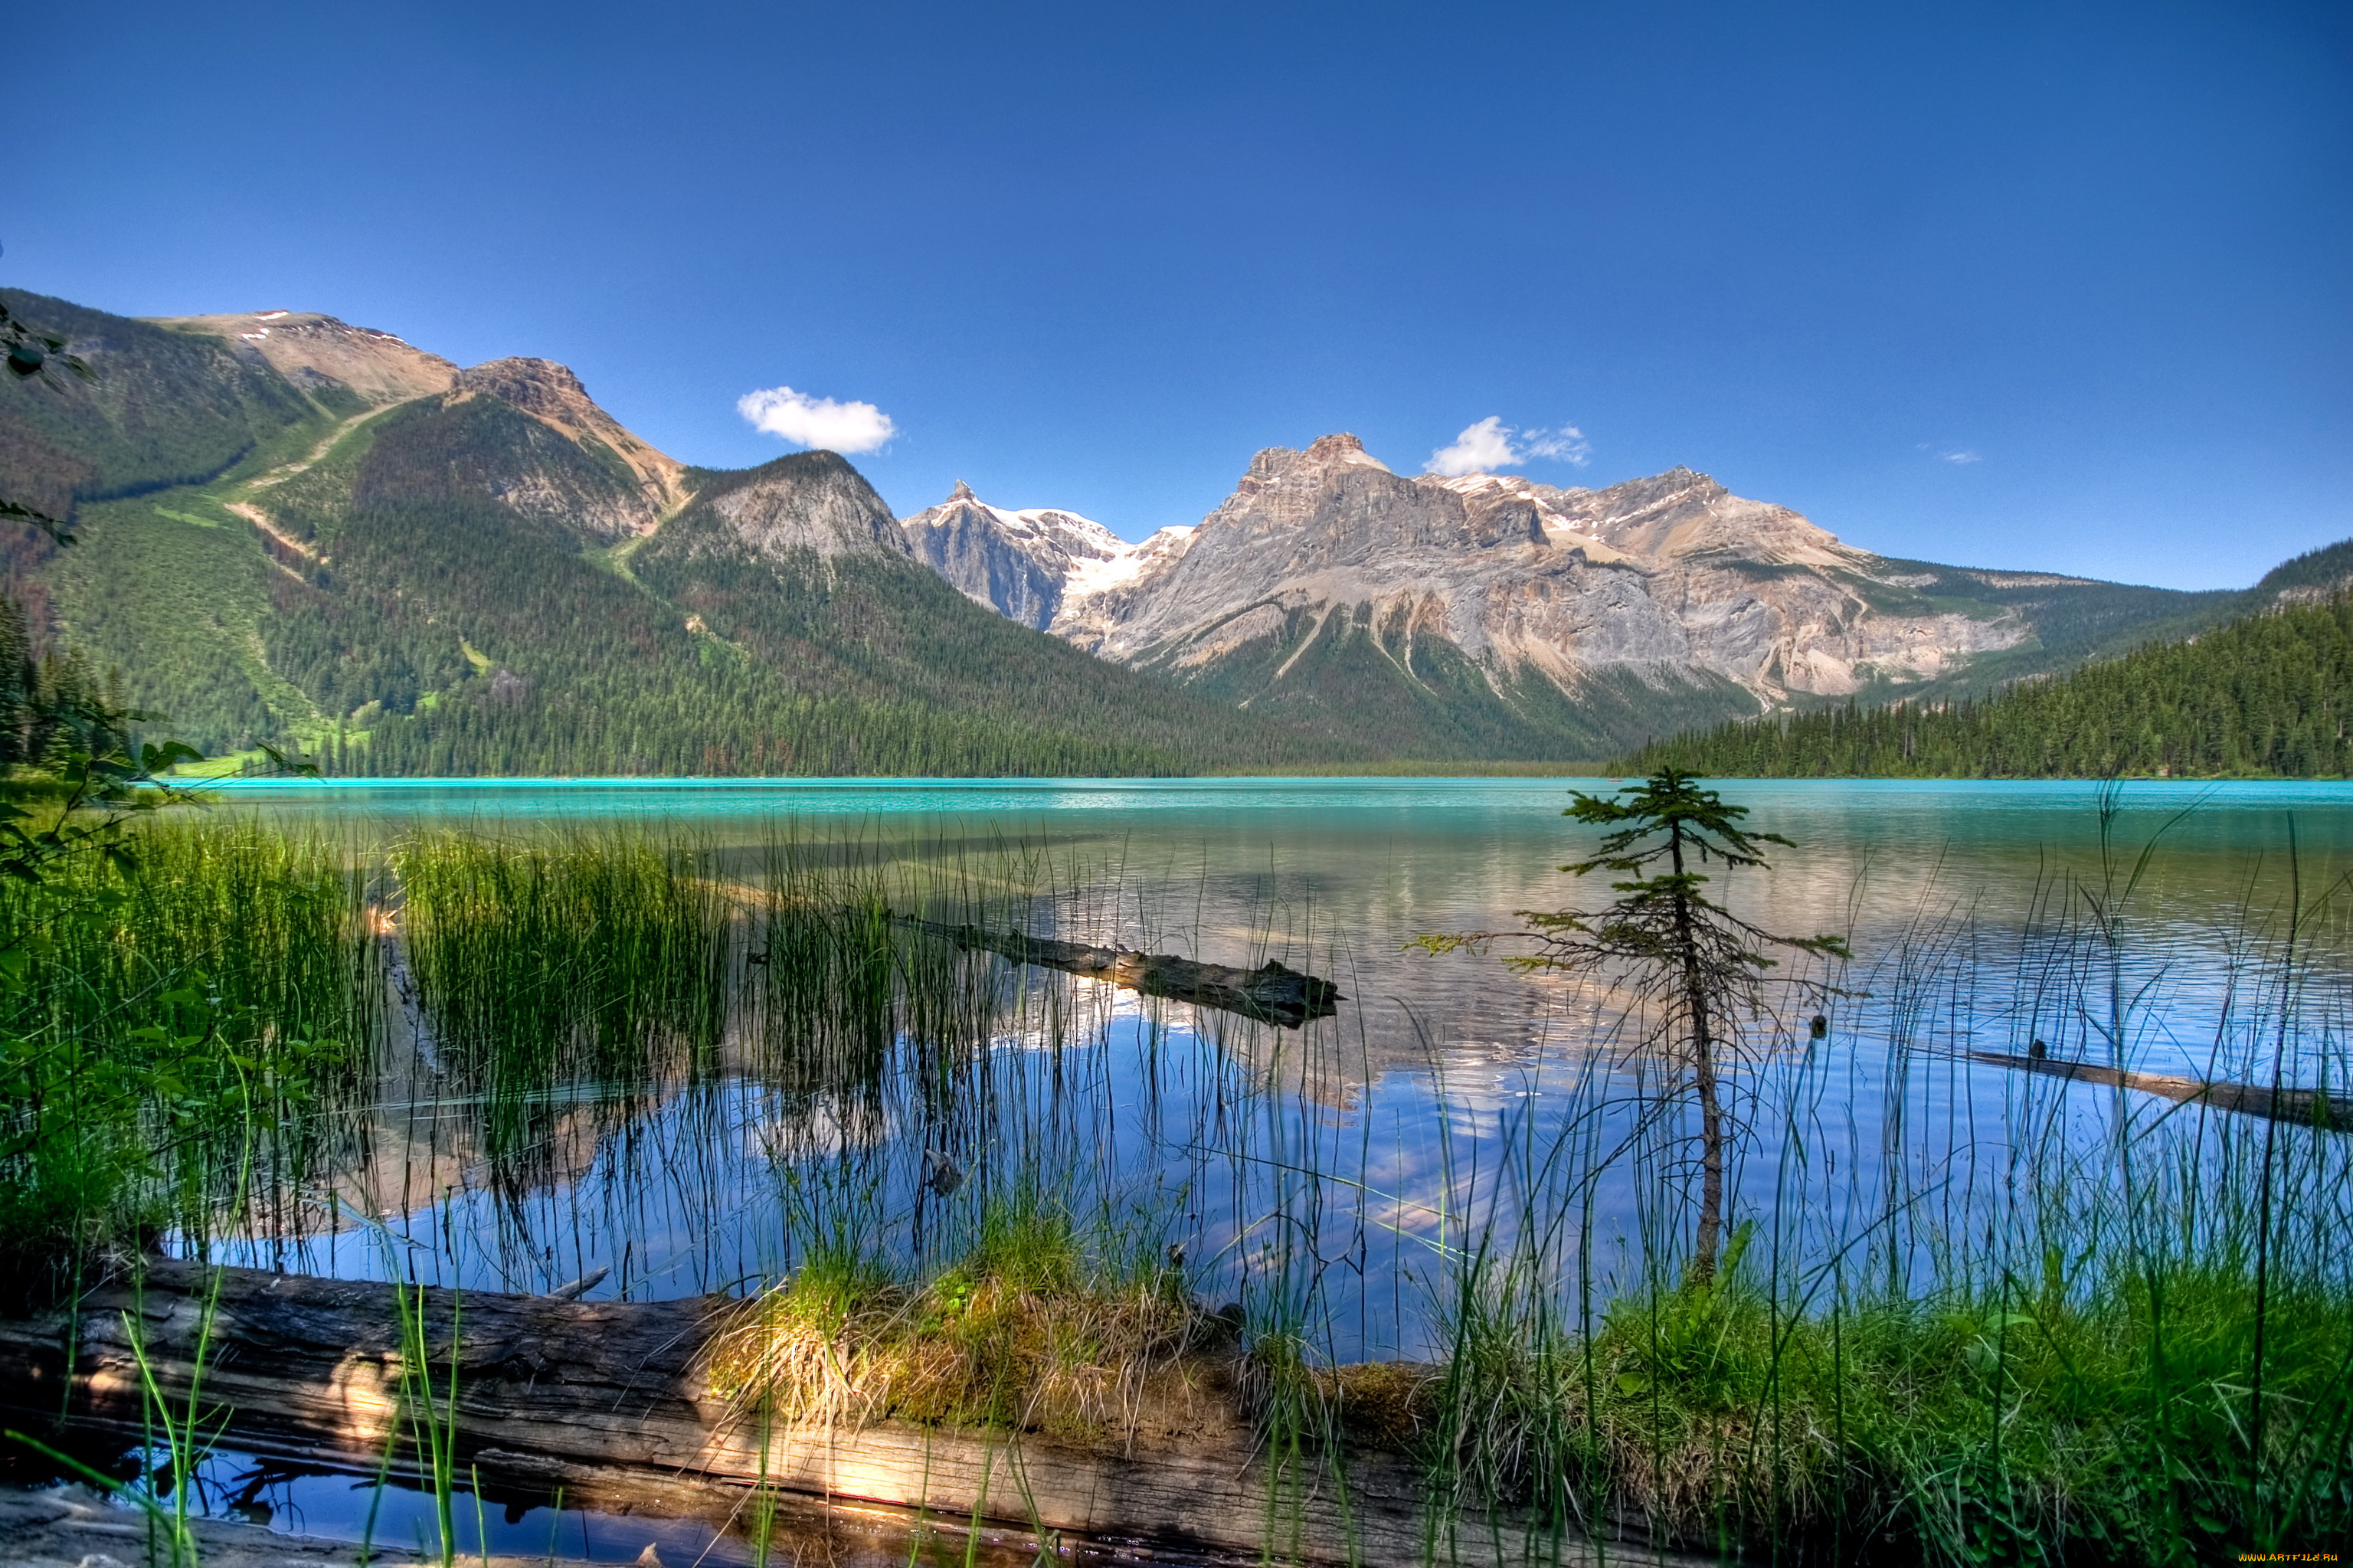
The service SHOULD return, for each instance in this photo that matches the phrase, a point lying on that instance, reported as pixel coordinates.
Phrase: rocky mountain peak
(1020, 564)
(1683, 513)
(1324, 455)
(538, 386)
(811, 501)
(1343, 447)
(1663, 581)
(554, 395)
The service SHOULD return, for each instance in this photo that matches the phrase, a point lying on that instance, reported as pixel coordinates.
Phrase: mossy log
(2280, 1102)
(1272, 993)
(615, 1399)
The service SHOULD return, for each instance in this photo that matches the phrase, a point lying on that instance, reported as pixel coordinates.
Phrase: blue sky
(2048, 286)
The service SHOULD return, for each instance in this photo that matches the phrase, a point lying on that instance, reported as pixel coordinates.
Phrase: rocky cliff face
(554, 395)
(810, 504)
(1020, 564)
(1669, 572)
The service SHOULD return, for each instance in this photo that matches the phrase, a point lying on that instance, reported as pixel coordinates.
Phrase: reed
(197, 1024)
(589, 956)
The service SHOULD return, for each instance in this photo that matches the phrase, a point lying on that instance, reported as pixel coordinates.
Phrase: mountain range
(290, 528)
(1489, 615)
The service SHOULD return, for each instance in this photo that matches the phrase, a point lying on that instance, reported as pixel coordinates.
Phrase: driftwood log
(611, 1399)
(2310, 1106)
(1272, 993)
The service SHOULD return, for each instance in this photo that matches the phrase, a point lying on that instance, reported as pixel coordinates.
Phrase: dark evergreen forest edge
(2264, 696)
(405, 616)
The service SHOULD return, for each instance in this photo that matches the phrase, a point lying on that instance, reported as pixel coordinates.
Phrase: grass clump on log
(1030, 1329)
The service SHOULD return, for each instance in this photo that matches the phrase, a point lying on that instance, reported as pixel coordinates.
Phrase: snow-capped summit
(1020, 564)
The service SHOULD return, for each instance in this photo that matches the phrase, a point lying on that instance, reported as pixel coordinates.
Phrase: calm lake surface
(1419, 1080)
(1351, 870)
(1334, 1178)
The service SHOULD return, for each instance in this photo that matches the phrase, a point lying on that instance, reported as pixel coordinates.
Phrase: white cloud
(1488, 445)
(1963, 456)
(1485, 445)
(807, 422)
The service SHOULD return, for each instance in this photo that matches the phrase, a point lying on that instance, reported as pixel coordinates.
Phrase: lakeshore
(665, 1054)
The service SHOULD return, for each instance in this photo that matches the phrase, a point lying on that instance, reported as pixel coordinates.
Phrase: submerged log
(1271, 993)
(2280, 1102)
(615, 1400)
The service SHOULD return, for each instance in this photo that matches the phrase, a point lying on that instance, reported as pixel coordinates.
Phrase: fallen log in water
(1272, 993)
(614, 1399)
(2280, 1102)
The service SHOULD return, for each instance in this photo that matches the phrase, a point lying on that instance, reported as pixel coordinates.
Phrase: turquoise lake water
(1355, 868)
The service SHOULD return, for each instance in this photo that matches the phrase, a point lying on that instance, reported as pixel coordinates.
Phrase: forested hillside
(463, 637)
(1358, 675)
(440, 585)
(2264, 696)
(161, 408)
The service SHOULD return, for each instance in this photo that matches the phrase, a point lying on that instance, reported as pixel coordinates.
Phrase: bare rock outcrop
(809, 503)
(554, 395)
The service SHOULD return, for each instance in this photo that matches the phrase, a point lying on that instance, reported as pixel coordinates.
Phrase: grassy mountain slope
(161, 408)
(2074, 621)
(172, 601)
(2266, 695)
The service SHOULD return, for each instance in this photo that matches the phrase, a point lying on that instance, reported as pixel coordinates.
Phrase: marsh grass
(586, 956)
(199, 1027)
(2106, 1423)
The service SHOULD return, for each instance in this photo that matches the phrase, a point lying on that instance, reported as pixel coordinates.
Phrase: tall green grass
(157, 1023)
(588, 956)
